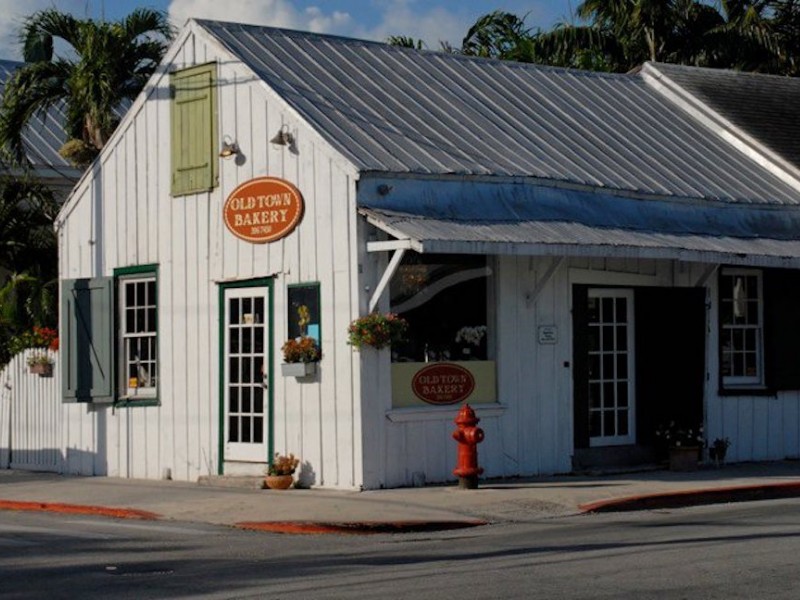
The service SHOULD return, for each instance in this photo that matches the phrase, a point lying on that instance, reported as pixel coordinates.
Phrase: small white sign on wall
(548, 334)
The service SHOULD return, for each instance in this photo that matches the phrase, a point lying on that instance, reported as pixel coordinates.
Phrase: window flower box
(298, 369)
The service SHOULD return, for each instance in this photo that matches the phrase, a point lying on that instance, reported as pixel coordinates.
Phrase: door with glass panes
(611, 369)
(246, 374)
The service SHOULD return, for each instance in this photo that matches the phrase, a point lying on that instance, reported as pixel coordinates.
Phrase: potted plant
(718, 450)
(684, 445)
(377, 330)
(40, 364)
(300, 357)
(301, 354)
(280, 473)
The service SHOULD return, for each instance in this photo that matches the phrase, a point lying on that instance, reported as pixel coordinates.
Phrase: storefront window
(444, 298)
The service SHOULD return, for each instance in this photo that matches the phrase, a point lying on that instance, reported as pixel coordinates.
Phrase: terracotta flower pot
(684, 458)
(279, 482)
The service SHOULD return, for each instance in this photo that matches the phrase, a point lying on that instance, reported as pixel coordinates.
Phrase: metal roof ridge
(720, 126)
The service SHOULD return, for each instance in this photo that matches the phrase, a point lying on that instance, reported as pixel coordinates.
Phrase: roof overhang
(426, 234)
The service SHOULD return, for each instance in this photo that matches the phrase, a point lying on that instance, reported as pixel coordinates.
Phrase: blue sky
(430, 20)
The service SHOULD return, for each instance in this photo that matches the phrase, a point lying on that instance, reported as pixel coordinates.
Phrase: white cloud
(277, 13)
(412, 18)
(14, 14)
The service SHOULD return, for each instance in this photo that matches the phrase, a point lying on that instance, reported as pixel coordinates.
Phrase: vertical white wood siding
(30, 417)
(122, 215)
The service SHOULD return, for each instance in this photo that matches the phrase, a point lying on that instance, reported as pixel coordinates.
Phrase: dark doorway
(669, 326)
(670, 359)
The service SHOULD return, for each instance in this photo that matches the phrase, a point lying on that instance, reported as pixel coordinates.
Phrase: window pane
(608, 395)
(622, 422)
(233, 365)
(246, 399)
(247, 340)
(607, 309)
(622, 394)
(622, 366)
(258, 430)
(258, 400)
(233, 399)
(608, 366)
(622, 337)
(151, 293)
(622, 310)
(608, 337)
(233, 429)
(593, 342)
(247, 425)
(234, 316)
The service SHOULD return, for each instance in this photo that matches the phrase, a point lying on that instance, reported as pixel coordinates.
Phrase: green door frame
(266, 282)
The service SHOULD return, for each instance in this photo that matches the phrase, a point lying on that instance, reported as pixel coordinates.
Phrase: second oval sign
(443, 383)
(263, 210)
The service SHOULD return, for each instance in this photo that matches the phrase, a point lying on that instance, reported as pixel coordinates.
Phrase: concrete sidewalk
(404, 509)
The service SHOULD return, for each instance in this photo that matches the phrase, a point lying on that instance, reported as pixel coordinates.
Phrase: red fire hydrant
(468, 437)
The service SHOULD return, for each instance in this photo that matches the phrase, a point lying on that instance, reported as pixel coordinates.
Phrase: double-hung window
(137, 300)
(741, 308)
(109, 329)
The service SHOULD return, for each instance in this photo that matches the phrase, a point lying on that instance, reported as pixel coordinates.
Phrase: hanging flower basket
(377, 330)
(40, 364)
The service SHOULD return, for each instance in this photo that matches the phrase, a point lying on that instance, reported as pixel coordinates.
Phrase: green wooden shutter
(193, 130)
(87, 345)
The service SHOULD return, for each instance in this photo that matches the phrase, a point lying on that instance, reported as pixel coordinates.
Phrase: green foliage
(619, 35)
(28, 260)
(105, 63)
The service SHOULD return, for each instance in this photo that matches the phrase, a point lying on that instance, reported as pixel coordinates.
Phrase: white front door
(246, 374)
(611, 369)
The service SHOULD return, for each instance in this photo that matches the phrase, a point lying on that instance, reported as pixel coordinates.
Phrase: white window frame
(749, 381)
(127, 391)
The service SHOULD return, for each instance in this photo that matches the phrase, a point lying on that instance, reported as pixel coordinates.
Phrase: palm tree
(112, 61)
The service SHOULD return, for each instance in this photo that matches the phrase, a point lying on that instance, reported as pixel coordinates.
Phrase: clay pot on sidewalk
(684, 458)
(279, 482)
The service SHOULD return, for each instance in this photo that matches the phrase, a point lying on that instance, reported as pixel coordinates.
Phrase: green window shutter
(193, 130)
(87, 345)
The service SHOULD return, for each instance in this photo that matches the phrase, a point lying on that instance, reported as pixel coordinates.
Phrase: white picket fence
(30, 417)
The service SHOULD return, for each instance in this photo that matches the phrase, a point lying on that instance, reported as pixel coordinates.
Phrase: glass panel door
(246, 374)
(611, 368)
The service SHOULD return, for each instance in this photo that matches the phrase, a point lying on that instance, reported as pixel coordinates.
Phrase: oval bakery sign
(443, 383)
(263, 210)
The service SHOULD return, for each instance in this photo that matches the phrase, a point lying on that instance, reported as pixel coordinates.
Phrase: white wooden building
(593, 253)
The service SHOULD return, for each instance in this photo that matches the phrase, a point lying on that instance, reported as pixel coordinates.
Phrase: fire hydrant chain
(468, 437)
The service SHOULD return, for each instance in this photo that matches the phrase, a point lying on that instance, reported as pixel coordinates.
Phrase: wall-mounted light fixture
(284, 137)
(229, 148)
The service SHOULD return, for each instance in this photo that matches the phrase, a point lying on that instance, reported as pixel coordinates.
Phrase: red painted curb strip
(744, 493)
(78, 509)
(358, 528)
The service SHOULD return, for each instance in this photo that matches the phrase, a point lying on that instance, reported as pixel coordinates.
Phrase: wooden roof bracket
(399, 247)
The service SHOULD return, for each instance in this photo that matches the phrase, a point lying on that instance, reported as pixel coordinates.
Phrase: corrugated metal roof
(45, 134)
(397, 110)
(766, 107)
(562, 238)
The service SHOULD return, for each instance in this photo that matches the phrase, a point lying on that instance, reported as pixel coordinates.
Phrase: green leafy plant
(283, 464)
(377, 330)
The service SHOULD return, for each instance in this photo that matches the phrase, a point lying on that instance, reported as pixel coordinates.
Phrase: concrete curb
(78, 509)
(744, 493)
(356, 528)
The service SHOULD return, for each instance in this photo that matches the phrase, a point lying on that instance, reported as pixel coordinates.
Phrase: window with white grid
(741, 327)
(138, 335)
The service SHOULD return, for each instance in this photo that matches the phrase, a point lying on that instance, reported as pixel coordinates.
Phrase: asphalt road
(749, 550)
